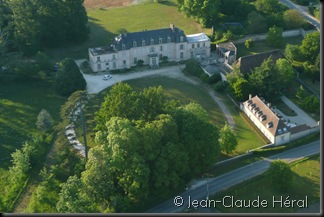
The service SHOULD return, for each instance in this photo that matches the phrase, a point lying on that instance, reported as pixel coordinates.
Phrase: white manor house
(150, 46)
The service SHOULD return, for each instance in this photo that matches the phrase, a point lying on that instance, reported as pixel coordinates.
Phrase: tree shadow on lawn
(98, 37)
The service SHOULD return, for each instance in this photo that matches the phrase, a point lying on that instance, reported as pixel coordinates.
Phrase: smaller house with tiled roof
(272, 126)
(248, 63)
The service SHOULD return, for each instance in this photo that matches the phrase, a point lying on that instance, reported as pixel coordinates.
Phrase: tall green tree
(267, 6)
(274, 37)
(293, 19)
(44, 120)
(69, 78)
(310, 46)
(72, 199)
(204, 11)
(227, 139)
(285, 72)
(256, 23)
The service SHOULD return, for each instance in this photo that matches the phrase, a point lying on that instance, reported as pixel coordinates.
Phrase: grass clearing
(20, 103)
(261, 46)
(306, 182)
(105, 23)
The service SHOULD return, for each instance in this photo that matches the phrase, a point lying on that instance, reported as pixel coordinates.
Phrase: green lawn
(260, 46)
(20, 103)
(106, 23)
(245, 131)
(306, 182)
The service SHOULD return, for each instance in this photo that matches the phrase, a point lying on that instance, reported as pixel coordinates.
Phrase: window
(191, 54)
(143, 43)
(123, 46)
(181, 55)
(107, 64)
(193, 46)
(160, 40)
(135, 60)
(181, 46)
(160, 56)
(161, 48)
(169, 39)
(134, 44)
(114, 57)
(152, 41)
(98, 59)
(114, 65)
(99, 66)
(124, 62)
(181, 39)
(198, 45)
(204, 45)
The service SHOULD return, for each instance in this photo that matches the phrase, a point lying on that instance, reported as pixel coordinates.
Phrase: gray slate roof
(248, 63)
(128, 38)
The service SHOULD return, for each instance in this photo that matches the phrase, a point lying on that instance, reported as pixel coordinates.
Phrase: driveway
(301, 117)
(95, 83)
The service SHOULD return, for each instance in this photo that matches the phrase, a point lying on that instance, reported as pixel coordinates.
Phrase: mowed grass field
(106, 23)
(20, 103)
(305, 182)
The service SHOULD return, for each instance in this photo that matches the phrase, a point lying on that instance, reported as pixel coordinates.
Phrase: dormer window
(169, 39)
(181, 39)
(134, 44)
(160, 40)
(152, 41)
(143, 42)
(123, 46)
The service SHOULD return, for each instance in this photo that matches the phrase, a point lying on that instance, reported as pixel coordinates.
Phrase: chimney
(250, 96)
(172, 26)
(269, 104)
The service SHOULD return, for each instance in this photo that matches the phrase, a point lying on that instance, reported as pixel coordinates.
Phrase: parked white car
(106, 77)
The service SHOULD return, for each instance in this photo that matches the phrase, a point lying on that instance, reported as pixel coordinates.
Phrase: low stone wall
(285, 34)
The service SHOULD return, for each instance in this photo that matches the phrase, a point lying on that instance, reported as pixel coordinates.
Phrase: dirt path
(25, 197)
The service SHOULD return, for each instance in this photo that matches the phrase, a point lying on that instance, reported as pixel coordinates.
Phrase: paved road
(95, 83)
(234, 177)
(314, 21)
(301, 118)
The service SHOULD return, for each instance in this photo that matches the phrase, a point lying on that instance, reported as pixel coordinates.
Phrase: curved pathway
(95, 83)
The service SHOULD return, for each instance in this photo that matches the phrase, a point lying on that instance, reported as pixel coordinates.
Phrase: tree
(256, 23)
(301, 93)
(205, 11)
(241, 88)
(72, 199)
(292, 52)
(44, 120)
(285, 72)
(43, 61)
(310, 47)
(25, 25)
(21, 166)
(311, 103)
(248, 43)
(121, 101)
(292, 19)
(280, 175)
(263, 79)
(274, 37)
(69, 78)
(267, 6)
(227, 139)
(36, 23)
